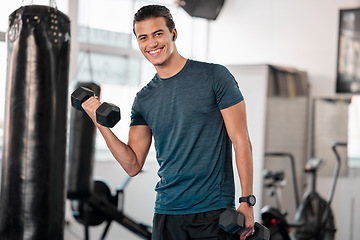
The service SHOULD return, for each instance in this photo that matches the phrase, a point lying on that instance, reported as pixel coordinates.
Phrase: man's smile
(155, 52)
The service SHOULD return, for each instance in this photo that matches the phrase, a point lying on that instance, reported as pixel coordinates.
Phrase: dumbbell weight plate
(108, 115)
(80, 95)
(231, 221)
(260, 233)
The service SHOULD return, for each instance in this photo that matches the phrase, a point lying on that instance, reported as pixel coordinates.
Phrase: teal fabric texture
(192, 146)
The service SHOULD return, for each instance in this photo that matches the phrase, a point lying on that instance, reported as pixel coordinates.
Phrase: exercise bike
(314, 219)
(274, 218)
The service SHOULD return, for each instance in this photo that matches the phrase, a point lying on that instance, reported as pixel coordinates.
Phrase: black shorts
(203, 226)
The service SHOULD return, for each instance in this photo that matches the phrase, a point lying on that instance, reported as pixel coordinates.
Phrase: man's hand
(248, 213)
(90, 107)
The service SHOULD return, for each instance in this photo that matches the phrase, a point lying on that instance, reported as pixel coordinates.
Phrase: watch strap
(251, 200)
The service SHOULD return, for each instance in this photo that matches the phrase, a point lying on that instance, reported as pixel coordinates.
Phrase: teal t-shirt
(192, 146)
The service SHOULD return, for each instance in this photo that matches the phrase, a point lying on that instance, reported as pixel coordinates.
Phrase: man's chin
(158, 63)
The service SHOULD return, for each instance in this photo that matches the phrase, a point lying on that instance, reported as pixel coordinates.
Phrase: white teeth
(155, 51)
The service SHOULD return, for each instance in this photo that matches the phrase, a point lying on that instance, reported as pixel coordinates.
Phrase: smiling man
(195, 111)
(157, 43)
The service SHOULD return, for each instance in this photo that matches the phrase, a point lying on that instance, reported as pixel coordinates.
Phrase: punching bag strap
(52, 3)
(25, 2)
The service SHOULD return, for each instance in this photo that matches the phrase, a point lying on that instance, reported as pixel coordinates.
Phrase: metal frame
(109, 50)
(2, 36)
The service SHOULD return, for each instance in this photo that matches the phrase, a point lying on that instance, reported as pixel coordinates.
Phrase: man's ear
(174, 33)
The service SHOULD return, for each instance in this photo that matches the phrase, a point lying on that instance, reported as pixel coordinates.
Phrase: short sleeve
(136, 116)
(226, 88)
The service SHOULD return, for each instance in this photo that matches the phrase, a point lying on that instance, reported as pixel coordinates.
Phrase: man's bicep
(140, 141)
(235, 122)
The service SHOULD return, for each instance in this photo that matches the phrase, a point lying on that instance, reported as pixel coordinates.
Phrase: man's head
(154, 11)
(155, 32)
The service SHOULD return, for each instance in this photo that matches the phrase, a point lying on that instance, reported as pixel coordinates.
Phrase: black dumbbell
(107, 114)
(232, 222)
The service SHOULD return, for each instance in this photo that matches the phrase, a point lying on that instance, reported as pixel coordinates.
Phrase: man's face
(155, 40)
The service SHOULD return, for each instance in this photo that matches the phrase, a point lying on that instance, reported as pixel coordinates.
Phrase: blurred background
(296, 63)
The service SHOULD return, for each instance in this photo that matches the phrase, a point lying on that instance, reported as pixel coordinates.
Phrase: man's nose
(154, 43)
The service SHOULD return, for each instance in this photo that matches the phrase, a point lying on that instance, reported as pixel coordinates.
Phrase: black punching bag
(32, 202)
(81, 151)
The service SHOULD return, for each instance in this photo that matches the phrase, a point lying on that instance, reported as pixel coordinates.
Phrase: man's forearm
(244, 164)
(121, 151)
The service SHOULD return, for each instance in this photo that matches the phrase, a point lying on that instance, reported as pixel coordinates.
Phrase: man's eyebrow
(160, 30)
(144, 35)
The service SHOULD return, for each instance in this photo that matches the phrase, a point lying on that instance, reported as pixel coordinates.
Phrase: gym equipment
(233, 222)
(208, 9)
(313, 219)
(274, 180)
(315, 211)
(275, 217)
(102, 206)
(32, 202)
(81, 151)
(107, 114)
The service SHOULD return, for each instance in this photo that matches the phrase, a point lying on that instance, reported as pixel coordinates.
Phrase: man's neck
(172, 67)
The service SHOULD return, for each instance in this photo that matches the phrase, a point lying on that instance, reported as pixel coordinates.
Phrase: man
(193, 110)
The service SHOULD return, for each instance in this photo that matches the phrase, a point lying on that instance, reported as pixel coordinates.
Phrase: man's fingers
(90, 106)
(246, 232)
(92, 101)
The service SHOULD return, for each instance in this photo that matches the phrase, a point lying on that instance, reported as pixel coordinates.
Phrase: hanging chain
(23, 2)
(52, 3)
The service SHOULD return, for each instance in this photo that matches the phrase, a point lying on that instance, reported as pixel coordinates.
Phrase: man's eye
(158, 34)
(142, 38)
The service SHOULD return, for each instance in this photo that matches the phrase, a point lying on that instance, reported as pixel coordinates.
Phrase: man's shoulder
(147, 88)
(207, 66)
(201, 64)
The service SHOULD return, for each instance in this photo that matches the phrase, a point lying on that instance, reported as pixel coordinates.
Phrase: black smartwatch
(251, 200)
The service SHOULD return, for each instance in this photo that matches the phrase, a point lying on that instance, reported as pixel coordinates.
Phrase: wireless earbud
(173, 38)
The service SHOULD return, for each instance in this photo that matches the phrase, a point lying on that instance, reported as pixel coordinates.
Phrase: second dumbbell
(107, 115)
(232, 222)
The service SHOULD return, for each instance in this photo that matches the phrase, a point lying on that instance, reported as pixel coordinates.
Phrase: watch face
(252, 200)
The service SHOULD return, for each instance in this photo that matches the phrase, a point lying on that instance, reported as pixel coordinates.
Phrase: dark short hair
(153, 11)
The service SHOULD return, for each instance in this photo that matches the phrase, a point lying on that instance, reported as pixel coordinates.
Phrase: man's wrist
(250, 200)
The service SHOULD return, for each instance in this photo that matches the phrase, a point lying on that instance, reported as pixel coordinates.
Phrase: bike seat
(314, 164)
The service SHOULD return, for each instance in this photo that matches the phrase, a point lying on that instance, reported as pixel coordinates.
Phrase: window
(354, 133)
(109, 69)
(109, 15)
